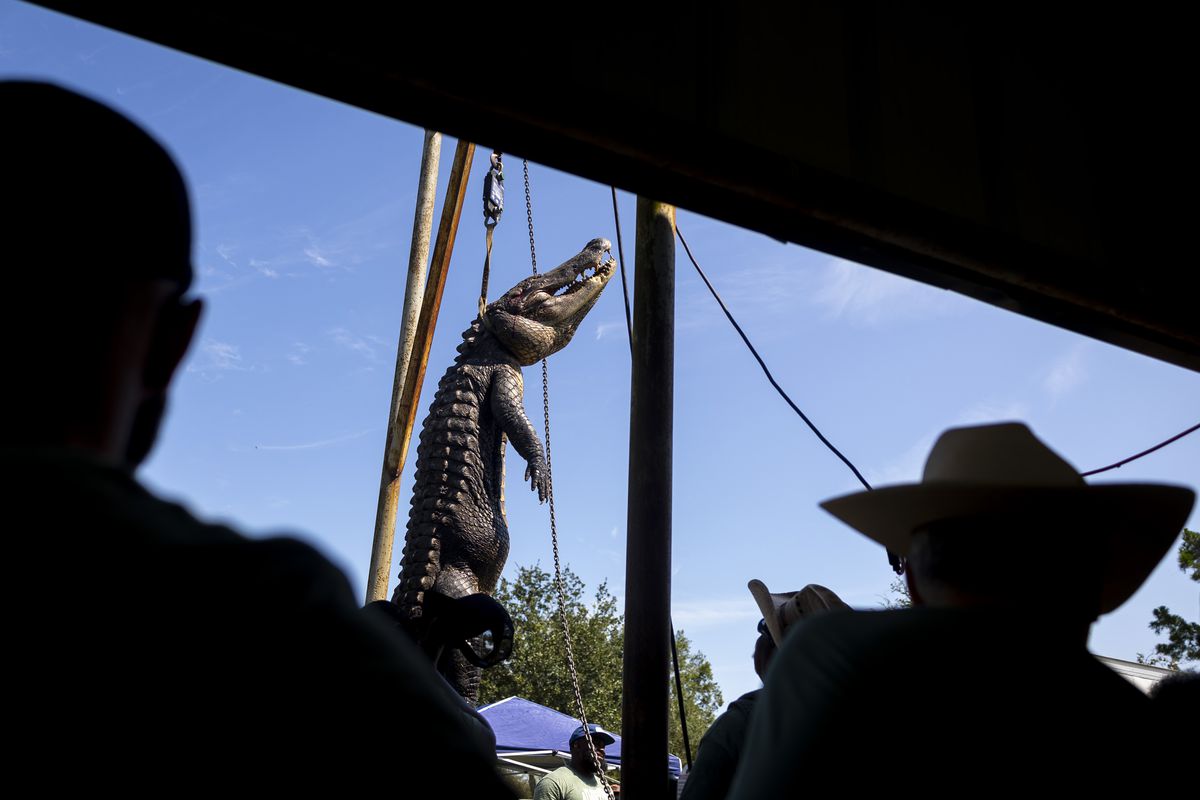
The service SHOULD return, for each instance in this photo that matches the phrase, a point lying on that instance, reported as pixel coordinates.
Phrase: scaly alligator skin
(457, 539)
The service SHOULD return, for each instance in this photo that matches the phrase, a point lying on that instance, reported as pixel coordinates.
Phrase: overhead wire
(895, 561)
(763, 364)
(1145, 452)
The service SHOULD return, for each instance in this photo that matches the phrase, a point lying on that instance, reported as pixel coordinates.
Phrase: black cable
(621, 267)
(1158, 446)
(763, 364)
(687, 746)
(893, 559)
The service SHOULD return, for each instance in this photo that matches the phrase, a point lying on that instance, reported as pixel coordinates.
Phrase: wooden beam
(648, 531)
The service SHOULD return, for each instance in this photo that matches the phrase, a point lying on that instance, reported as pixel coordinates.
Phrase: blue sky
(304, 209)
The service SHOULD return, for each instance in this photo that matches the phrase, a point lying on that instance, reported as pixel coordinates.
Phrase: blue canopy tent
(531, 735)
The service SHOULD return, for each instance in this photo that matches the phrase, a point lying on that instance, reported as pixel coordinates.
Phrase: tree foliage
(701, 697)
(1189, 554)
(1183, 637)
(900, 596)
(538, 671)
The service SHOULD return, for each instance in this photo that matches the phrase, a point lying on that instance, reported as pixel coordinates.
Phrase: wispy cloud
(984, 412)
(765, 289)
(904, 468)
(134, 88)
(225, 251)
(317, 258)
(605, 329)
(236, 274)
(186, 98)
(614, 556)
(1066, 373)
(215, 357)
(866, 296)
(348, 243)
(364, 346)
(692, 614)
(292, 251)
(264, 268)
(89, 56)
(909, 465)
(299, 354)
(314, 445)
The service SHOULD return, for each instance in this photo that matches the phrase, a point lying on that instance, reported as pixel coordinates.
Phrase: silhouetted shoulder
(858, 697)
(191, 635)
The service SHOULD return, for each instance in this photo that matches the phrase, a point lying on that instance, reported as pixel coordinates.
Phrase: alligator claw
(538, 481)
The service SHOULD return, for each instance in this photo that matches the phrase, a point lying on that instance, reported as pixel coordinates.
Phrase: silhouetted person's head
(999, 519)
(783, 610)
(96, 235)
(764, 651)
(1024, 560)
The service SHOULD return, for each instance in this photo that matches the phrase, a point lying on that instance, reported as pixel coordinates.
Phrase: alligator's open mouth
(592, 274)
(539, 315)
(570, 289)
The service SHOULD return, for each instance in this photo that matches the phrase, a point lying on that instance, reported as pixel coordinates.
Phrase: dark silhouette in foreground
(986, 685)
(149, 644)
(724, 743)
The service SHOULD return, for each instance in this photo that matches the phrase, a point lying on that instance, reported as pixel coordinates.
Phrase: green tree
(701, 697)
(900, 596)
(1183, 637)
(538, 671)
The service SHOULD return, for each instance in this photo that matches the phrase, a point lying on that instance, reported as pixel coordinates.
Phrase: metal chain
(529, 217)
(558, 579)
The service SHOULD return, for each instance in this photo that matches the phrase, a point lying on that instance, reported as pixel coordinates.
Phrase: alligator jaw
(539, 315)
(568, 291)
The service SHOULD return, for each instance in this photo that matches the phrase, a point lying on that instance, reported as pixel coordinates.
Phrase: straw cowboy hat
(781, 609)
(1005, 470)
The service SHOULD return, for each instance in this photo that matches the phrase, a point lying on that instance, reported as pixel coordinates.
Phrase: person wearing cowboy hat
(721, 748)
(986, 682)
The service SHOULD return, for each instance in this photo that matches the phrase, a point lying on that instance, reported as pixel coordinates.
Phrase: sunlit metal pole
(406, 389)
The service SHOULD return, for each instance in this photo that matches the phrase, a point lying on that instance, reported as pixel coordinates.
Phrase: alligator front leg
(508, 407)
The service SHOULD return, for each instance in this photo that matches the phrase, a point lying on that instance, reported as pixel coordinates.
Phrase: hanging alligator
(457, 539)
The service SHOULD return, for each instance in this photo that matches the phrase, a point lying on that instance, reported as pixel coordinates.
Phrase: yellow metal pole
(405, 399)
(418, 259)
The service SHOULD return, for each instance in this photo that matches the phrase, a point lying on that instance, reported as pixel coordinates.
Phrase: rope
(487, 268)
